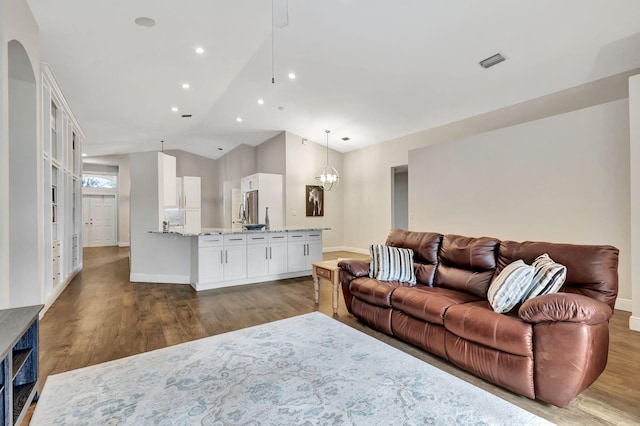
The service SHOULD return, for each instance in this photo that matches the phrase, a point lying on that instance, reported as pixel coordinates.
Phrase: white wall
(16, 23)
(302, 164)
(634, 135)
(561, 179)
(154, 257)
(124, 184)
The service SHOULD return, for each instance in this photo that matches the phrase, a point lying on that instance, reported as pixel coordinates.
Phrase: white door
(99, 220)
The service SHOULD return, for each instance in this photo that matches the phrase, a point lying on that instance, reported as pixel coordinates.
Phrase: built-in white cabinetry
(305, 247)
(235, 256)
(270, 194)
(250, 257)
(61, 140)
(189, 192)
(266, 254)
(167, 180)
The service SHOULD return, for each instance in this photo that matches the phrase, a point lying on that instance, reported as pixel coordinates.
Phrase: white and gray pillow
(391, 264)
(548, 277)
(510, 286)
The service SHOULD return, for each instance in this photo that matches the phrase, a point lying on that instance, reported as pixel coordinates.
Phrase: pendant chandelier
(328, 176)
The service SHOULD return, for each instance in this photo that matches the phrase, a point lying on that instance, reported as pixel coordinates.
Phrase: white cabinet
(189, 193)
(207, 265)
(266, 254)
(270, 194)
(305, 247)
(235, 256)
(167, 180)
(192, 221)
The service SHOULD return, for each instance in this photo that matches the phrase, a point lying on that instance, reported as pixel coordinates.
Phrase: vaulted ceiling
(369, 70)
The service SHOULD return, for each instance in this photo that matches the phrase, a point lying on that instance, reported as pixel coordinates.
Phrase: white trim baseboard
(123, 244)
(159, 278)
(356, 250)
(634, 323)
(624, 304)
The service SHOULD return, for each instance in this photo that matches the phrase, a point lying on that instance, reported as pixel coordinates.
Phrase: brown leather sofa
(549, 348)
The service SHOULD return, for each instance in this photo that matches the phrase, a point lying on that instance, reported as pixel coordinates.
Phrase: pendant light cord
(327, 131)
(273, 74)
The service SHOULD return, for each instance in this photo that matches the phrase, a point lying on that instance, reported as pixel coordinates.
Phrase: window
(99, 181)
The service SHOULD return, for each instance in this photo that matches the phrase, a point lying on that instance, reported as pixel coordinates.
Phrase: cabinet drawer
(296, 236)
(314, 235)
(209, 240)
(257, 238)
(278, 237)
(324, 273)
(234, 239)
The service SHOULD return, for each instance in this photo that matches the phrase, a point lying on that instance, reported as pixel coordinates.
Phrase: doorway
(400, 197)
(99, 220)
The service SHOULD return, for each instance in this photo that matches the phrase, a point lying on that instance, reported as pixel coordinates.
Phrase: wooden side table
(326, 269)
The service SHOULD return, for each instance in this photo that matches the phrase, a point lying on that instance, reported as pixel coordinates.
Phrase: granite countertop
(220, 231)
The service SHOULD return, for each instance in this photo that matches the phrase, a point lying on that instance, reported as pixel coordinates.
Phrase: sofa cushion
(428, 303)
(591, 270)
(548, 277)
(391, 263)
(425, 245)
(374, 292)
(477, 322)
(511, 286)
(467, 264)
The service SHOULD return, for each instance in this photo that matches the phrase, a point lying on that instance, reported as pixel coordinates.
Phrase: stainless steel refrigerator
(251, 207)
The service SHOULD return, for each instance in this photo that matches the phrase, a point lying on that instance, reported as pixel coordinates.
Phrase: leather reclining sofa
(550, 348)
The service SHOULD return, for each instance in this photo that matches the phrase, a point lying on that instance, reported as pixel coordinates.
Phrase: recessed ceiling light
(239, 120)
(199, 50)
(292, 76)
(84, 154)
(260, 101)
(185, 85)
(145, 21)
(174, 109)
(281, 108)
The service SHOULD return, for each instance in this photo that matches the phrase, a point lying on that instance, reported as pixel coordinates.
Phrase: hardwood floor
(101, 316)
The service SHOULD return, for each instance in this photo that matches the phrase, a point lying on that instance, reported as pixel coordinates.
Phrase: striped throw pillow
(391, 264)
(548, 277)
(510, 286)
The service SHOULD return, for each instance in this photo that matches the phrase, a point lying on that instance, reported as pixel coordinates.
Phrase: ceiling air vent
(186, 115)
(492, 60)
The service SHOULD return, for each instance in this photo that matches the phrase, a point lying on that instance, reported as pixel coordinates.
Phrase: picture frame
(314, 200)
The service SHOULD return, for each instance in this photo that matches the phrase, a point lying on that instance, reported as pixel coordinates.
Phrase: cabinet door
(296, 256)
(249, 183)
(257, 260)
(167, 181)
(191, 192)
(277, 258)
(192, 221)
(210, 265)
(314, 252)
(235, 262)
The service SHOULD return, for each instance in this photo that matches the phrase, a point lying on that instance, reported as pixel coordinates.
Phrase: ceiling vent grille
(492, 60)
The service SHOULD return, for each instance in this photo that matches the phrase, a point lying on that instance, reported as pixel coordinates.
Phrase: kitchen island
(217, 257)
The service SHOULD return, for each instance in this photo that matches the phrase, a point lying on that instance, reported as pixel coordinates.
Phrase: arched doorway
(25, 265)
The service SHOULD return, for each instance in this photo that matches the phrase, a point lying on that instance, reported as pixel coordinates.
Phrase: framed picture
(315, 200)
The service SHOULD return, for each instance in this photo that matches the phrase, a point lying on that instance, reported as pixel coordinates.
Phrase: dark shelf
(20, 356)
(21, 395)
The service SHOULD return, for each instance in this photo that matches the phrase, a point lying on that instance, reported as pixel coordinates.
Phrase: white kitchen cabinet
(235, 256)
(266, 254)
(270, 194)
(167, 180)
(189, 193)
(192, 221)
(304, 247)
(207, 262)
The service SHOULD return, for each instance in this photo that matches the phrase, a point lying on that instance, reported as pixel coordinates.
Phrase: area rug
(306, 370)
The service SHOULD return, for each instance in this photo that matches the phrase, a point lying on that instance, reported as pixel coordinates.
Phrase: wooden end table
(326, 269)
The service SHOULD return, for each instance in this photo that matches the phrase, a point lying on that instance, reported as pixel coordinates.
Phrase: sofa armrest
(356, 267)
(568, 307)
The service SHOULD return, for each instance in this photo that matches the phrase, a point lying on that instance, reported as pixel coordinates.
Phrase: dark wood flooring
(101, 316)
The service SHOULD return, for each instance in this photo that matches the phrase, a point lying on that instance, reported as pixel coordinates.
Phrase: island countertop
(222, 231)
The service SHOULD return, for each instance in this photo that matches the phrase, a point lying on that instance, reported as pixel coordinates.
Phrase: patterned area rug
(306, 370)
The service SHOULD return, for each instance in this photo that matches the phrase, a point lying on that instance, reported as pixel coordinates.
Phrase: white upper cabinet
(189, 192)
(167, 180)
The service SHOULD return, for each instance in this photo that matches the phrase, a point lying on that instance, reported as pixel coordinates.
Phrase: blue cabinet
(19, 373)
